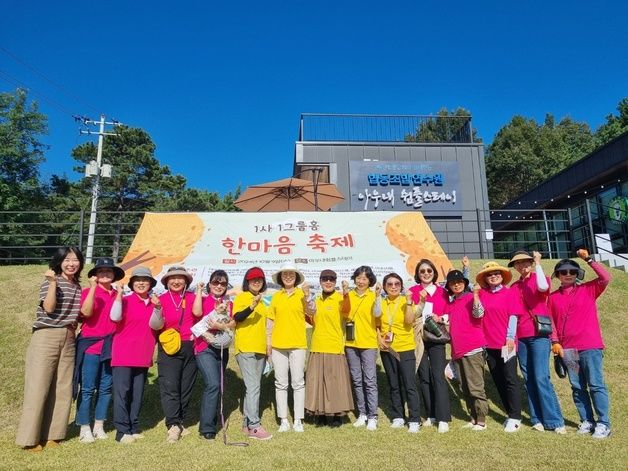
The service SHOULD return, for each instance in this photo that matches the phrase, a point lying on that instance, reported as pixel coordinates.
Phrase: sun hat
(455, 275)
(490, 267)
(568, 264)
(520, 255)
(174, 271)
(254, 273)
(107, 262)
(142, 272)
(289, 267)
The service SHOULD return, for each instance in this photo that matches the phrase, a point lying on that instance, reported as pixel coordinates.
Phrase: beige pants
(289, 364)
(47, 386)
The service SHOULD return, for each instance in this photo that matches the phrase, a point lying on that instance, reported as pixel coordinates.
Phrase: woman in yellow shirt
(396, 344)
(287, 343)
(328, 389)
(250, 314)
(361, 350)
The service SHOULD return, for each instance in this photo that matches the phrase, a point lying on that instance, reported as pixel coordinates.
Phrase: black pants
(176, 375)
(402, 373)
(506, 381)
(128, 389)
(432, 382)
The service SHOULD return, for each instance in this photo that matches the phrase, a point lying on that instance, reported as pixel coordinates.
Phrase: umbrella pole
(316, 174)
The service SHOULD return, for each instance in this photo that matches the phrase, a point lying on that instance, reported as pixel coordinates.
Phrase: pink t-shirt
(208, 306)
(172, 305)
(465, 330)
(574, 312)
(98, 324)
(533, 302)
(438, 299)
(134, 341)
(498, 307)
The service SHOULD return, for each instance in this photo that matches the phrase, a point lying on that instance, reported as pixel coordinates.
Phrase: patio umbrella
(289, 194)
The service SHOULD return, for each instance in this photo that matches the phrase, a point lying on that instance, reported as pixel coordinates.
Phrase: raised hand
(345, 286)
(93, 281)
(583, 253)
(536, 256)
(256, 300)
(305, 287)
(50, 275)
(155, 300)
(378, 288)
(199, 286)
(465, 262)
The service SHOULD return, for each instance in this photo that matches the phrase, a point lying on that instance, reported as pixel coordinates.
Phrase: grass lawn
(319, 447)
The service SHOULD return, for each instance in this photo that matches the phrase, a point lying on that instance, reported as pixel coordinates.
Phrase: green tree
(446, 126)
(192, 199)
(614, 125)
(525, 153)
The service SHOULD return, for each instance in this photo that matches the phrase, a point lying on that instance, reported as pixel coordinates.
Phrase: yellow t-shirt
(365, 322)
(250, 334)
(393, 313)
(328, 334)
(287, 311)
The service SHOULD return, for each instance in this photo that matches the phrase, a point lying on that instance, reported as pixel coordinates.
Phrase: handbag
(542, 325)
(431, 330)
(560, 367)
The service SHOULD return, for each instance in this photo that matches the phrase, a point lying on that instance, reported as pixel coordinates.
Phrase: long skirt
(327, 385)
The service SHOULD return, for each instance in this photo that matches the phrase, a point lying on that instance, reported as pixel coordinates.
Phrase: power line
(47, 79)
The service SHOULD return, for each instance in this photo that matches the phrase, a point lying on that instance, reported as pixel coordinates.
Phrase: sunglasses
(426, 270)
(393, 283)
(224, 284)
(328, 278)
(495, 273)
(568, 272)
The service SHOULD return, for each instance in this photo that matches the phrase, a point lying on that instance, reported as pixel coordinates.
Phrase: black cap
(106, 262)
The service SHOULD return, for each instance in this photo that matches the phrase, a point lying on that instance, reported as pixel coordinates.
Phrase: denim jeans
(588, 386)
(252, 368)
(96, 380)
(533, 354)
(208, 363)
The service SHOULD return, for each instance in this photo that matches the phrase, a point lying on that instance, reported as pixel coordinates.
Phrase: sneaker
(52, 443)
(371, 424)
(585, 427)
(397, 423)
(479, 427)
(259, 433)
(86, 436)
(512, 425)
(174, 434)
(443, 427)
(184, 432)
(34, 448)
(285, 426)
(560, 430)
(413, 427)
(429, 422)
(538, 427)
(601, 431)
(126, 438)
(138, 436)
(298, 425)
(99, 434)
(360, 421)
(469, 425)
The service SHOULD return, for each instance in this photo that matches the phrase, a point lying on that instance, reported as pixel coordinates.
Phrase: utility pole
(96, 169)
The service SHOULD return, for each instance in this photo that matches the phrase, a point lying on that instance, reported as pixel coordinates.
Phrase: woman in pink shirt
(132, 351)
(467, 345)
(93, 348)
(533, 351)
(501, 312)
(432, 382)
(579, 340)
(176, 371)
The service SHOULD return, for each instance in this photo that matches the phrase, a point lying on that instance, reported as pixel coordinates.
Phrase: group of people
(489, 323)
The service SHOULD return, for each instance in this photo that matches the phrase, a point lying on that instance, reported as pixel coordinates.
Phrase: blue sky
(220, 86)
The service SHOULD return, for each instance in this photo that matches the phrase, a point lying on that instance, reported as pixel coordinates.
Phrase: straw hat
(289, 267)
(491, 267)
(519, 255)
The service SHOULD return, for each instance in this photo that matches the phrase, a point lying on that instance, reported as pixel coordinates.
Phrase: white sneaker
(86, 436)
(298, 426)
(443, 427)
(512, 425)
(360, 421)
(585, 427)
(174, 434)
(397, 423)
(138, 436)
(469, 425)
(601, 431)
(429, 422)
(126, 438)
(478, 428)
(538, 427)
(371, 424)
(285, 426)
(560, 430)
(413, 427)
(100, 434)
